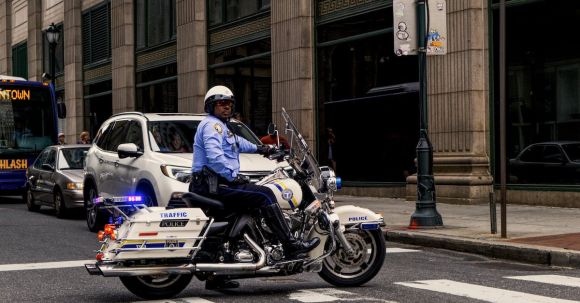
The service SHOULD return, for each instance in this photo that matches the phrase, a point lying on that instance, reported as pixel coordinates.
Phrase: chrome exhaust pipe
(115, 270)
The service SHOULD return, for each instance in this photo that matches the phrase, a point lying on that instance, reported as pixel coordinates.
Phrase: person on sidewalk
(61, 139)
(84, 138)
(216, 152)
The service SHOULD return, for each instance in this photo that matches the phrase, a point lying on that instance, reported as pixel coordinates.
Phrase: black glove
(240, 180)
(266, 149)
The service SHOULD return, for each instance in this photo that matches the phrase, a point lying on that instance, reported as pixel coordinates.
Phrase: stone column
(34, 42)
(191, 55)
(73, 69)
(123, 53)
(5, 37)
(459, 108)
(293, 64)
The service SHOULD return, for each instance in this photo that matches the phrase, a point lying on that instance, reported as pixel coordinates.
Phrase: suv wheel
(95, 218)
(148, 194)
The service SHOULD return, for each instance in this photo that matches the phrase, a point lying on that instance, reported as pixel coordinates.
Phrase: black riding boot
(277, 222)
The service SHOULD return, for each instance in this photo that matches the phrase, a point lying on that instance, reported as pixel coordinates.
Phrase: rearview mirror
(272, 129)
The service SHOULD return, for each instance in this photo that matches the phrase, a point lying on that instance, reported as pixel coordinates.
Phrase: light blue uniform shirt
(216, 147)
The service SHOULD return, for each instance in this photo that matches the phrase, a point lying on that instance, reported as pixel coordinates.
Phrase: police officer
(216, 151)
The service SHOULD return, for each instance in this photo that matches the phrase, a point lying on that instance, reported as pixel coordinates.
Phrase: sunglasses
(225, 102)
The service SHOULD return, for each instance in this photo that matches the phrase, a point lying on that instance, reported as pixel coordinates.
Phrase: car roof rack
(128, 113)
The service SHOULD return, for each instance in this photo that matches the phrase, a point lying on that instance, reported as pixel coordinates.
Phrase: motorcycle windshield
(300, 151)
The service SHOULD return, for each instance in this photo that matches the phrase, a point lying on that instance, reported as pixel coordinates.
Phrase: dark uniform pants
(237, 196)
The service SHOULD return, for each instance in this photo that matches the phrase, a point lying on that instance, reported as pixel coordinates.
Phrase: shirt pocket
(230, 147)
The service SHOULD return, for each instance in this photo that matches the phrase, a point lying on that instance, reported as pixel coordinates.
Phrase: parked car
(56, 179)
(547, 162)
(150, 155)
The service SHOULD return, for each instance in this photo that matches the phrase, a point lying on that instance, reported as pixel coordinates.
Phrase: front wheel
(156, 287)
(342, 270)
(95, 217)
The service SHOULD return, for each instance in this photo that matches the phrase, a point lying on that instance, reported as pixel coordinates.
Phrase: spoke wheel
(341, 269)
(157, 286)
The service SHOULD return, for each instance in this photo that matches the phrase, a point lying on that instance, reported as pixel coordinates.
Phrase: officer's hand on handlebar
(267, 149)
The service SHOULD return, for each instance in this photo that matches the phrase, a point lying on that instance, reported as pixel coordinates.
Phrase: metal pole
(52, 47)
(502, 118)
(425, 214)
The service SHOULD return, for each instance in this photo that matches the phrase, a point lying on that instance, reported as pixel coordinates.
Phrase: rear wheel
(342, 270)
(95, 218)
(148, 195)
(156, 287)
(30, 203)
(59, 205)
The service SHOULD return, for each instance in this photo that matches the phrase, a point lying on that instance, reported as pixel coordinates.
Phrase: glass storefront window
(98, 106)
(543, 91)
(157, 90)
(250, 81)
(367, 96)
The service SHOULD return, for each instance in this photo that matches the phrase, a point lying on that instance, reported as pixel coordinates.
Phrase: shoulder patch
(218, 128)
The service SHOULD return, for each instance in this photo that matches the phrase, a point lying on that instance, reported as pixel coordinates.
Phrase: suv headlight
(175, 172)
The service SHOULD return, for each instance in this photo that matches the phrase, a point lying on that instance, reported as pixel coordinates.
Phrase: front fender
(350, 214)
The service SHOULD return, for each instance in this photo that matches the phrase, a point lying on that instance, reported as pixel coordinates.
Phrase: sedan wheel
(32, 206)
(59, 205)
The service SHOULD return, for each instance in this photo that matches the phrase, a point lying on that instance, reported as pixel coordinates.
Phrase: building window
(542, 92)
(155, 22)
(97, 107)
(157, 90)
(222, 11)
(20, 60)
(366, 94)
(96, 28)
(59, 56)
(249, 79)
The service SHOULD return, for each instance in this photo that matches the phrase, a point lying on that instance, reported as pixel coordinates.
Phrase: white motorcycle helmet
(215, 94)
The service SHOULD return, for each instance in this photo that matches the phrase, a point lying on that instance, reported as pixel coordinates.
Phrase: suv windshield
(177, 136)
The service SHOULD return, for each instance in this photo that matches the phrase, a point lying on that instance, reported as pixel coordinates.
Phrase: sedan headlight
(74, 185)
(175, 172)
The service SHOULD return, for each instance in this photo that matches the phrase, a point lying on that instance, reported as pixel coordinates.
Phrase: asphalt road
(30, 240)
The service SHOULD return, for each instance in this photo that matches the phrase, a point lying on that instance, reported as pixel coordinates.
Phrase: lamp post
(52, 35)
(425, 215)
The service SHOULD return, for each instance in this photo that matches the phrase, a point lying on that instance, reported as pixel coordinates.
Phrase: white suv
(148, 154)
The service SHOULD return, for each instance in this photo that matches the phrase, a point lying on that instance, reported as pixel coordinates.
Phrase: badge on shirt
(218, 128)
(230, 134)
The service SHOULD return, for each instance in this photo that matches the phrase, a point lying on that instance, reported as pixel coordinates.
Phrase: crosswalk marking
(330, 295)
(45, 265)
(550, 279)
(483, 293)
(179, 300)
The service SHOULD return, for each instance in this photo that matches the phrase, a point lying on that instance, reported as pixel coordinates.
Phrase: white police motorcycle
(156, 251)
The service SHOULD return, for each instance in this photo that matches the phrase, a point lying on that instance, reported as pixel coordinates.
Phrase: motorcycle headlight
(175, 172)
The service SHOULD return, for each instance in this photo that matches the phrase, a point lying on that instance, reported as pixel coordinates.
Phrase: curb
(500, 250)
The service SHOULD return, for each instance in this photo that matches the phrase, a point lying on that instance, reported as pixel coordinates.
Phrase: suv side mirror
(128, 150)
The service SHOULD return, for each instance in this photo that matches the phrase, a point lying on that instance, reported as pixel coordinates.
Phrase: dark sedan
(56, 178)
(547, 163)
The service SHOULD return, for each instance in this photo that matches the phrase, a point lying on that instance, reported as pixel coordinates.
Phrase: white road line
(394, 250)
(46, 265)
(483, 293)
(179, 300)
(331, 295)
(550, 279)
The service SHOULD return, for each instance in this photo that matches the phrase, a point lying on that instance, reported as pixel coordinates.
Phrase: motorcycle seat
(194, 200)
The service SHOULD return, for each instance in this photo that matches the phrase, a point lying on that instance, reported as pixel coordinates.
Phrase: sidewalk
(535, 234)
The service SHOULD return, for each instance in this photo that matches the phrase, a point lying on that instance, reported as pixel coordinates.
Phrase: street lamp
(52, 35)
(425, 215)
